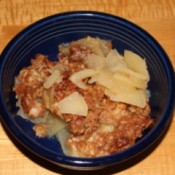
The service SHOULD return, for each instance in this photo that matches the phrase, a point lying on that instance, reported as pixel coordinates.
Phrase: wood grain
(155, 16)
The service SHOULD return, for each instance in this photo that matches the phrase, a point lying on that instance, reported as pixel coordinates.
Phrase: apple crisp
(94, 100)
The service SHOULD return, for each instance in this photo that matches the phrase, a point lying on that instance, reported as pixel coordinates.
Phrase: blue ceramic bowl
(44, 37)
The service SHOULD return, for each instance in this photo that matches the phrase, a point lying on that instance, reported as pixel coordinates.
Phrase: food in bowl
(94, 100)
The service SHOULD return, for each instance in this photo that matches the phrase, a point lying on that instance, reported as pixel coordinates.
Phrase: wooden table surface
(156, 16)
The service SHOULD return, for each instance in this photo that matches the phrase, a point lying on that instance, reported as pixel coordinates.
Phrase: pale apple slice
(114, 61)
(62, 136)
(133, 78)
(78, 77)
(136, 63)
(134, 97)
(55, 77)
(94, 61)
(73, 104)
(54, 124)
(104, 78)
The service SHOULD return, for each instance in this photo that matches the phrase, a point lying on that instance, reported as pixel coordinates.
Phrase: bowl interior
(45, 36)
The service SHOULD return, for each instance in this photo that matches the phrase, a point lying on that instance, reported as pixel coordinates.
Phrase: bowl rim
(148, 140)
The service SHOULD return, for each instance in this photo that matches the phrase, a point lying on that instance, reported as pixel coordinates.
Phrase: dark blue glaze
(44, 37)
